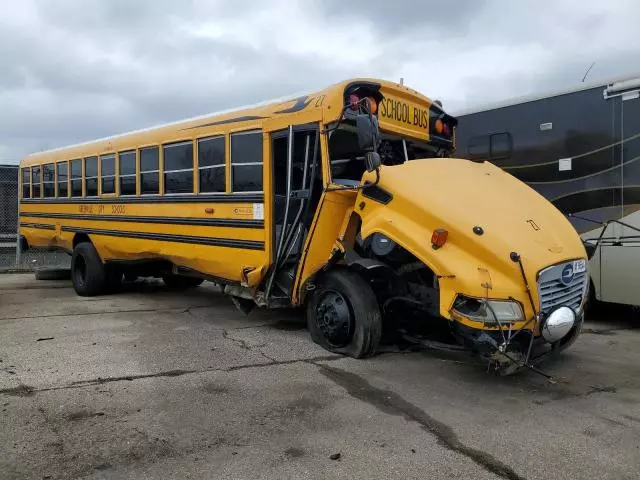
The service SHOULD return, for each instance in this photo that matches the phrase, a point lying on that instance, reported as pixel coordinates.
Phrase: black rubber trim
(165, 237)
(41, 226)
(374, 192)
(190, 198)
(207, 222)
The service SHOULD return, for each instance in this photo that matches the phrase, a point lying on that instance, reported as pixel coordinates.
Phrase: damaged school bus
(343, 201)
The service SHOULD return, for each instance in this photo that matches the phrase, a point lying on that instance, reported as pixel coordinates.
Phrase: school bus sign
(399, 113)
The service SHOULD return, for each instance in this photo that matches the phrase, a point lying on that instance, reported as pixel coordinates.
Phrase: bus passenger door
(297, 187)
(620, 255)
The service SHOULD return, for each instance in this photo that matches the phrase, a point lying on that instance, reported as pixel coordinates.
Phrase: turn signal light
(373, 105)
(439, 126)
(439, 238)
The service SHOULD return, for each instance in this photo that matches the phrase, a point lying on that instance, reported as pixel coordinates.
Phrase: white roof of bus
(539, 96)
(287, 98)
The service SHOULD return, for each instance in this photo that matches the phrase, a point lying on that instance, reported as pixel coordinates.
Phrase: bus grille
(554, 293)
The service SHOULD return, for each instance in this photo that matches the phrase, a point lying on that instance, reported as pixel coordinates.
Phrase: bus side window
(127, 165)
(91, 176)
(479, 147)
(48, 181)
(35, 182)
(211, 165)
(500, 145)
(178, 167)
(63, 179)
(246, 161)
(76, 178)
(347, 161)
(26, 183)
(107, 174)
(149, 171)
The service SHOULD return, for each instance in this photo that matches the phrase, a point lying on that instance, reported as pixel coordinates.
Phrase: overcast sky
(73, 70)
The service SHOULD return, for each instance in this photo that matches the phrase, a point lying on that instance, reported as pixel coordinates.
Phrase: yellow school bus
(344, 201)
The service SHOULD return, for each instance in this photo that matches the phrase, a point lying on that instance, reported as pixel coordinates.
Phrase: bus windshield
(347, 160)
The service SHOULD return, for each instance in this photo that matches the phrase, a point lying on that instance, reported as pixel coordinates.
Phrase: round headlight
(559, 322)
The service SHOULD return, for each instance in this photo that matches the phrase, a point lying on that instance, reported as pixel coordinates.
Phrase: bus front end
(432, 247)
(467, 243)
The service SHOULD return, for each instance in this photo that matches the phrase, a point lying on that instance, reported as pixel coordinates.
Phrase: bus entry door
(297, 186)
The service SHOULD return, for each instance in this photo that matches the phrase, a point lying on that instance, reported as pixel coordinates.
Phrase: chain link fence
(10, 256)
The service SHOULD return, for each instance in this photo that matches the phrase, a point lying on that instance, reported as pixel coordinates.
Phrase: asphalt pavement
(154, 383)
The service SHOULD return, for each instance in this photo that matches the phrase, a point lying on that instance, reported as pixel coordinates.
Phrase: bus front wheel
(343, 315)
(88, 273)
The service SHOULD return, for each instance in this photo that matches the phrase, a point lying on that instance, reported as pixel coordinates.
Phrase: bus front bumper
(509, 350)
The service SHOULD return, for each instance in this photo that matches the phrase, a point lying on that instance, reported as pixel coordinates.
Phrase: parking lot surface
(154, 383)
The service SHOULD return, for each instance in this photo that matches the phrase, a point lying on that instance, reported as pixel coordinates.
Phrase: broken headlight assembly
(491, 312)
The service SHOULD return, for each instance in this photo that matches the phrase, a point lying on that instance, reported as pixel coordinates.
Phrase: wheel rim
(334, 318)
(80, 270)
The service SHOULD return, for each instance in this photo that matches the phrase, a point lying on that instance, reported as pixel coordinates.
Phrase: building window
(211, 164)
(26, 183)
(91, 177)
(35, 182)
(48, 180)
(76, 178)
(107, 174)
(501, 145)
(63, 179)
(478, 147)
(127, 172)
(178, 167)
(246, 162)
(149, 171)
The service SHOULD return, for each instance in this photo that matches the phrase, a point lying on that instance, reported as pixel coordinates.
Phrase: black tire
(180, 282)
(88, 273)
(340, 291)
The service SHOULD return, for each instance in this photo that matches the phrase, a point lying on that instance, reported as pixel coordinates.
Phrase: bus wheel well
(79, 238)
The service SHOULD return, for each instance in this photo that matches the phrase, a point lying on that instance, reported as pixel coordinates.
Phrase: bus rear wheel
(88, 273)
(343, 315)
(180, 282)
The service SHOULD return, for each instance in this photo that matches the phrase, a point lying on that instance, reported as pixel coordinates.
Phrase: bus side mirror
(368, 132)
(372, 161)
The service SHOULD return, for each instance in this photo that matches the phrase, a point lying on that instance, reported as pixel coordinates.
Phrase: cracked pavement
(153, 383)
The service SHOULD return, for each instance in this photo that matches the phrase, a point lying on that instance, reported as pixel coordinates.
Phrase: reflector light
(373, 105)
(439, 237)
(439, 126)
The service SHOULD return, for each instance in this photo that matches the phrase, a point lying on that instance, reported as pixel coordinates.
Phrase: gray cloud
(73, 71)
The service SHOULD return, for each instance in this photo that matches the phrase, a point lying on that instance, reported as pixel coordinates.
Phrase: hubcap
(334, 318)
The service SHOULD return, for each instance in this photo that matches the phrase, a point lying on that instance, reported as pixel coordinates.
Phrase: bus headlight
(488, 311)
(558, 324)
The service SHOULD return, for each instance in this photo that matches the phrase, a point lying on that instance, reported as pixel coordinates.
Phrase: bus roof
(539, 96)
(247, 113)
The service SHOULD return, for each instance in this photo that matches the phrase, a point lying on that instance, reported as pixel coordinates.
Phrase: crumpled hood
(458, 195)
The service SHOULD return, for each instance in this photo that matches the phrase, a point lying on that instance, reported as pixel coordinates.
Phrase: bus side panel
(217, 239)
(325, 230)
(222, 262)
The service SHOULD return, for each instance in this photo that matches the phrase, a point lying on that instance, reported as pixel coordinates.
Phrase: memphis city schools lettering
(401, 112)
